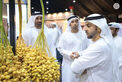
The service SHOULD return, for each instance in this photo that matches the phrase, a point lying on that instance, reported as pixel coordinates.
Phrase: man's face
(90, 29)
(38, 22)
(114, 31)
(74, 24)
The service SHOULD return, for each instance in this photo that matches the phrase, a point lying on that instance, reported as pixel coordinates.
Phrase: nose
(39, 20)
(75, 23)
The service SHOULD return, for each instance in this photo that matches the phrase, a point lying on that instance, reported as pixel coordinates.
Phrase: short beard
(38, 26)
(115, 33)
(74, 30)
(92, 35)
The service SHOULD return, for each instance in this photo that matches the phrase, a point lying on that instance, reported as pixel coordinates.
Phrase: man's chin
(75, 27)
(89, 37)
(39, 27)
(40, 24)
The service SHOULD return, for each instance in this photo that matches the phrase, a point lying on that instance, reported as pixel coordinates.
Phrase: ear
(99, 30)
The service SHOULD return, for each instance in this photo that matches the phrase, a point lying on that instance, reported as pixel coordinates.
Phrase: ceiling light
(47, 12)
(67, 14)
(32, 8)
(66, 9)
(116, 6)
(54, 15)
(60, 14)
(49, 15)
(47, 8)
(47, 2)
(74, 1)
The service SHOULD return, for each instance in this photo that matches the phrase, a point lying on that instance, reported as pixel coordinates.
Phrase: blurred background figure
(55, 32)
(73, 39)
(115, 27)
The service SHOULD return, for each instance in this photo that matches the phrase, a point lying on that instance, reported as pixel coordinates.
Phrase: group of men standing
(91, 54)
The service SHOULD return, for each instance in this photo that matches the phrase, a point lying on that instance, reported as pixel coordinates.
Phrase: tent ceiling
(82, 8)
(85, 7)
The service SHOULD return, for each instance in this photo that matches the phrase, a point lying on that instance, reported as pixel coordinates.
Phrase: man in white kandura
(33, 29)
(55, 38)
(115, 27)
(74, 39)
(99, 60)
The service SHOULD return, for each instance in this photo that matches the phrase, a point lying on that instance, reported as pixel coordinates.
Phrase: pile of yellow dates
(11, 69)
(40, 67)
(6, 54)
(29, 64)
(5, 61)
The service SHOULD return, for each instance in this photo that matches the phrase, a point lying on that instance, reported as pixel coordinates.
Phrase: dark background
(82, 7)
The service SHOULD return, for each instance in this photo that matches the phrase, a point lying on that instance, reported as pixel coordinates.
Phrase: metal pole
(12, 24)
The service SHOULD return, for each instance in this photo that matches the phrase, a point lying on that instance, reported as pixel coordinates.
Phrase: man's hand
(74, 55)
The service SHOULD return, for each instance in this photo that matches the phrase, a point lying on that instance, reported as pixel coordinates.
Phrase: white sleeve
(65, 54)
(61, 45)
(89, 58)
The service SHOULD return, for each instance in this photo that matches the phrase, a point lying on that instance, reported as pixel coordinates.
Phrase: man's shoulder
(100, 44)
(119, 38)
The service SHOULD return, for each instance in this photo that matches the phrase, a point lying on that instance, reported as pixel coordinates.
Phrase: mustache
(39, 23)
(75, 26)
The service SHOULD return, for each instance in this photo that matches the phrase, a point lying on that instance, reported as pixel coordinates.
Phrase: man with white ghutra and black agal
(115, 27)
(97, 63)
(73, 39)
